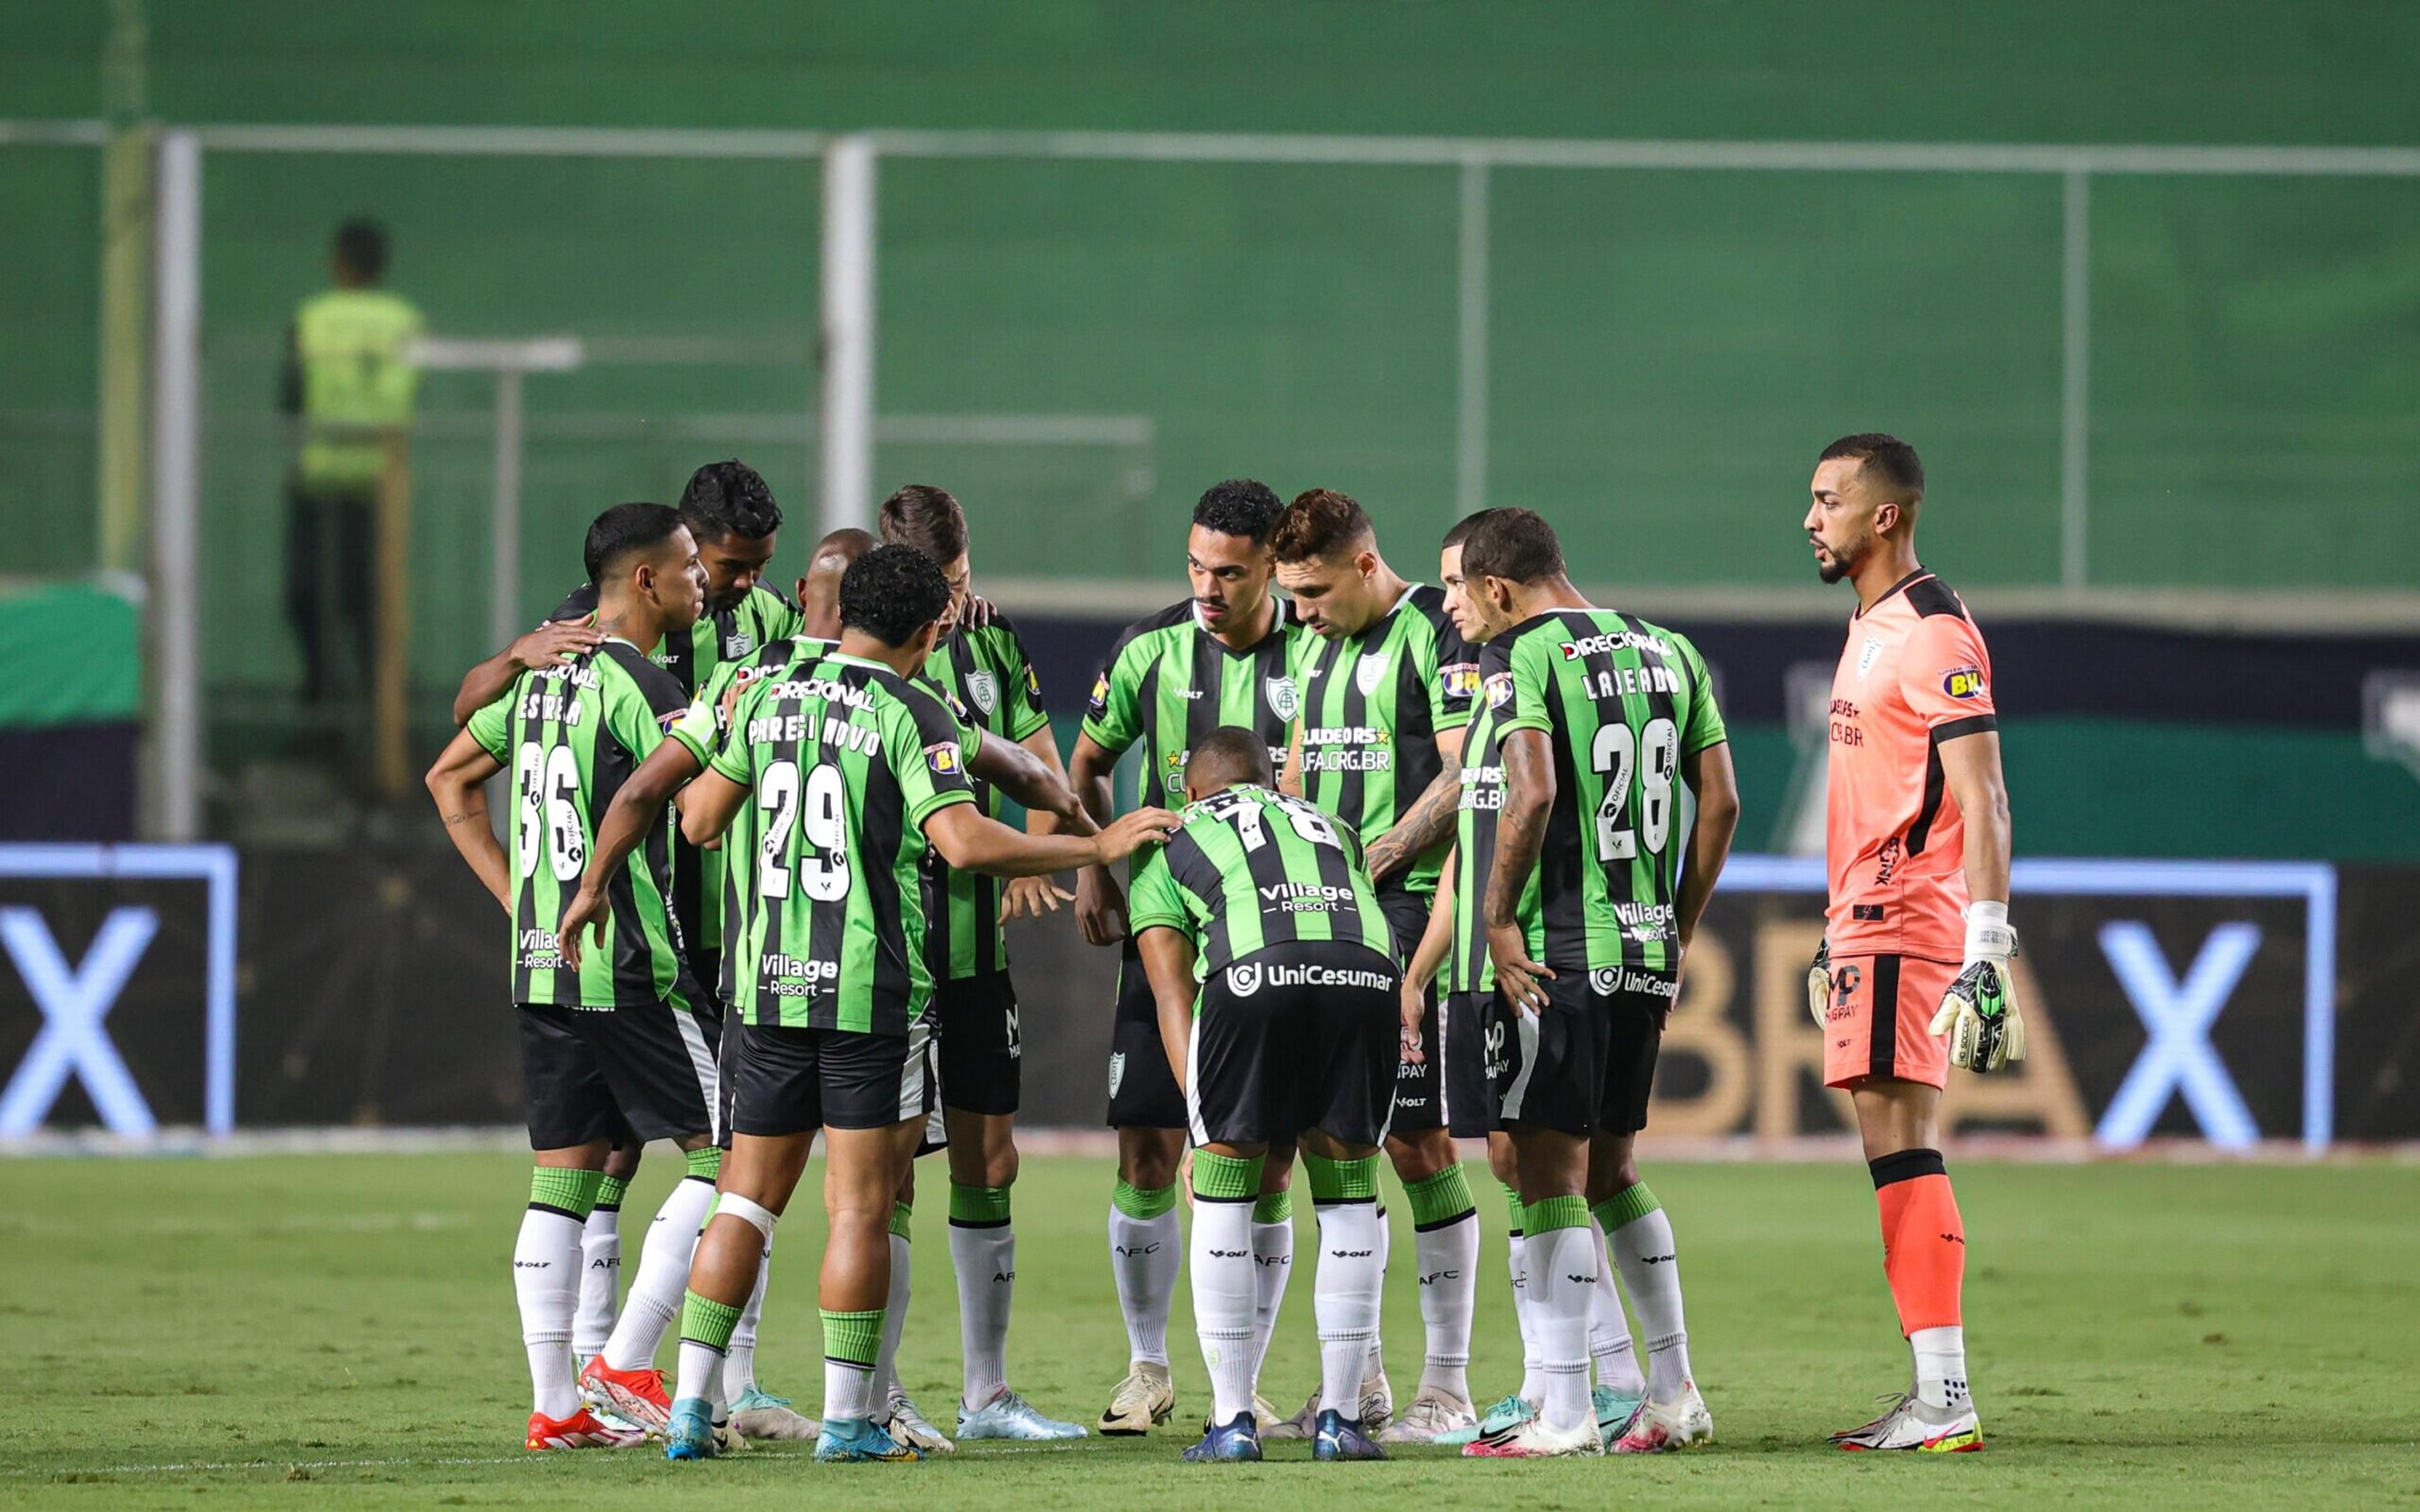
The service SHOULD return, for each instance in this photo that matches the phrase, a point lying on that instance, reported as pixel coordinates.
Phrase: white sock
(895, 1319)
(1449, 1261)
(1940, 1365)
(1533, 1386)
(1562, 1276)
(545, 1282)
(1650, 1272)
(1223, 1290)
(848, 1391)
(986, 1262)
(1376, 1368)
(1272, 1267)
(1145, 1254)
(1617, 1366)
(701, 1373)
(739, 1360)
(1344, 1298)
(600, 1281)
(654, 1301)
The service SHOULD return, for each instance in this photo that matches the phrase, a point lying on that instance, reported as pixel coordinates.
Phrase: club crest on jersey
(1867, 655)
(944, 758)
(1499, 690)
(738, 644)
(1369, 671)
(1101, 694)
(1285, 700)
(1245, 979)
(984, 689)
(1459, 681)
(1963, 683)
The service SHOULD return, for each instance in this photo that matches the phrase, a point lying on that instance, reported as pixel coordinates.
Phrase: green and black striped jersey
(1167, 682)
(1254, 868)
(693, 657)
(845, 761)
(572, 734)
(702, 729)
(1372, 706)
(1621, 701)
(1468, 967)
(987, 672)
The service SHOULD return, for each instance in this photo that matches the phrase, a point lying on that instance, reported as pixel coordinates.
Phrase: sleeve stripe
(1974, 724)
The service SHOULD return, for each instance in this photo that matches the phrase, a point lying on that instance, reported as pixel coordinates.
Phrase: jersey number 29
(1656, 751)
(823, 862)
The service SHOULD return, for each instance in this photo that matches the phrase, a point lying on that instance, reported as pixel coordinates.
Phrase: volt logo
(2180, 1058)
(74, 1000)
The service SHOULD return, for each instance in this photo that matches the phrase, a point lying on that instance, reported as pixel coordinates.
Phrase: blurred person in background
(350, 379)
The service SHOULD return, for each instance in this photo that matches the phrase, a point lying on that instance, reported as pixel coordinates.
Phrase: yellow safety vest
(350, 343)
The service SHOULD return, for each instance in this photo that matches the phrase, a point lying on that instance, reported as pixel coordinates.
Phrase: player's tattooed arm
(636, 810)
(550, 642)
(1428, 819)
(1520, 833)
(1027, 897)
(1709, 778)
(456, 782)
(1100, 902)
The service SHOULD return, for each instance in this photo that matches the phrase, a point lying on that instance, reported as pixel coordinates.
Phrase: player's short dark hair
(360, 242)
(928, 518)
(1516, 545)
(892, 591)
(1228, 755)
(729, 498)
(1319, 522)
(1459, 531)
(1885, 457)
(623, 532)
(1245, 507)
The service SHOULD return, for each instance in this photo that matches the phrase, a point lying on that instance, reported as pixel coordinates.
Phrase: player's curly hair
(1886, 458)
(621, 533)
(928, 518)
(1319, 523)
(892, 591)
(1245, 507)
(729, 498)
(1516, 544)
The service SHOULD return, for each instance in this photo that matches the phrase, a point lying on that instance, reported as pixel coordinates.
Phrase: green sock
(900, 1213)
(610, 1191)
(1625, 1207)
(1225, 1179)
(707, 1321)
(978, 1206)
(1273, 1208)
(853, 1338)
(1339, 1180)
(705, 1164)
(1141, 1203)
(566, 1191)
(1440, 1199)
(1514, 1204)
(1555, 1213)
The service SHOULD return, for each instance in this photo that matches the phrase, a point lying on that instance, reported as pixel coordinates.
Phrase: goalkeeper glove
(1819, 983)
(1979, 1011)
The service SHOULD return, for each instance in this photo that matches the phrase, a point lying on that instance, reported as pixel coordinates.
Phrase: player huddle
(758, 881)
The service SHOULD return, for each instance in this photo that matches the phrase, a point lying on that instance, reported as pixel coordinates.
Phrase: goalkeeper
(1913, 975)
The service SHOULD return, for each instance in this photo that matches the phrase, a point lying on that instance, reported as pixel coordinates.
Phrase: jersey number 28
(1654, 750)
(823, 862)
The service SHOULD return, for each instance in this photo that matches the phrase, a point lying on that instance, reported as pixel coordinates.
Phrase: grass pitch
(339, 1330)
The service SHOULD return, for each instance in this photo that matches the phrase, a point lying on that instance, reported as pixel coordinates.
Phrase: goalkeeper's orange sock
(1924, 1257)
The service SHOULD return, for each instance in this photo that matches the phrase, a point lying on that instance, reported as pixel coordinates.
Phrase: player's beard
(1837, 563)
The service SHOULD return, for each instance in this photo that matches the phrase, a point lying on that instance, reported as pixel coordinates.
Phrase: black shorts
(1447, 1088)
(975, 1020)
(624, 1074)
(1487, 1020)
(795, 1081)
(1586, 1063)
(1143, 1093)
(1293, 1037)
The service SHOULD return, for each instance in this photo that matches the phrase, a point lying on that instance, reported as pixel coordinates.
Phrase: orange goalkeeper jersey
(1912, 676)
